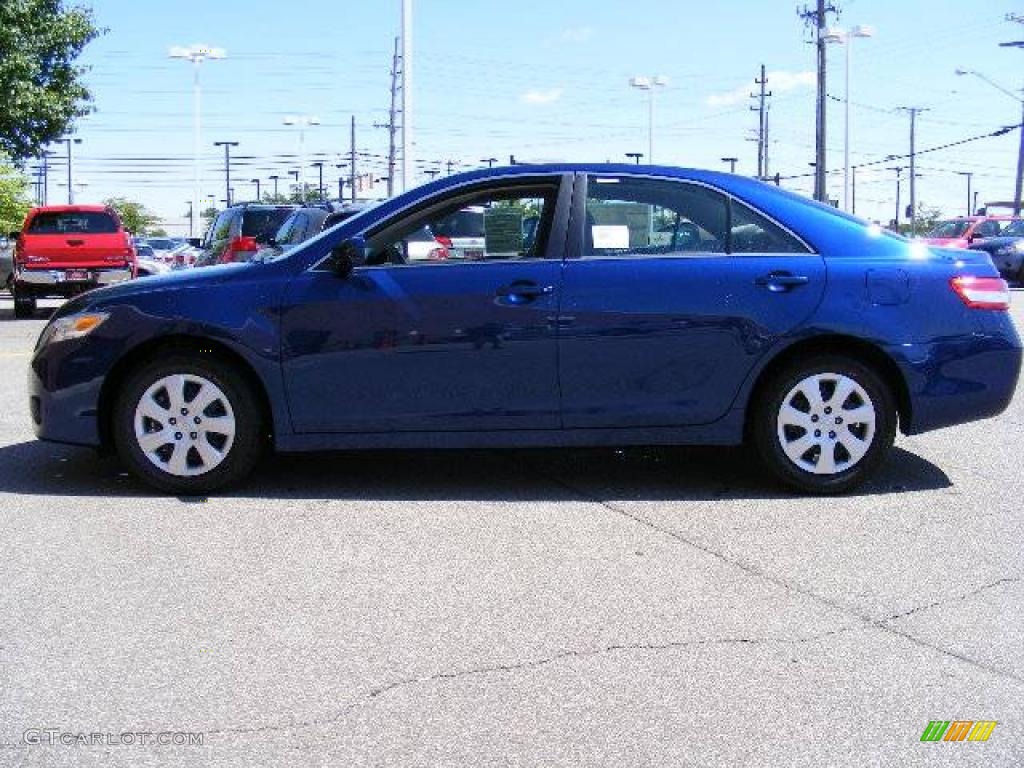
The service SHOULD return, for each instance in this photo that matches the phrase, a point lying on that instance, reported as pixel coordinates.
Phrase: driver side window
(499, 224)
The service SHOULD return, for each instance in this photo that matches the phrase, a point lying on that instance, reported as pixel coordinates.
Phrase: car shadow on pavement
(46, 469)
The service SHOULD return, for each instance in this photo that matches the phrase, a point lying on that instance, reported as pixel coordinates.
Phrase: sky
(543, 82)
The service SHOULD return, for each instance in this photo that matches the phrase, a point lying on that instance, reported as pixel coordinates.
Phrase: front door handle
(778, 282)
(523, 291)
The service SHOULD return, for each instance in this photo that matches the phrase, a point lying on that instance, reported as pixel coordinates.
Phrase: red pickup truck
(63, 250)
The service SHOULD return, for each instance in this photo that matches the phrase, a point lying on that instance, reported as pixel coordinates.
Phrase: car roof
(70, 209)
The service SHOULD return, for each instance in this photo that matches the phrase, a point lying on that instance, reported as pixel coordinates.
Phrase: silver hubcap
(184, 424)
(826, 423)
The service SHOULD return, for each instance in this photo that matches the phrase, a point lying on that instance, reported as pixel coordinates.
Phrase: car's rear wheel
(823, 425)
(188, 425)
(24, 305)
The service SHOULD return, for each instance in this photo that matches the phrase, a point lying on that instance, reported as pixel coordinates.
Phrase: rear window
(264, 222)
(954, 228)
(68, 222)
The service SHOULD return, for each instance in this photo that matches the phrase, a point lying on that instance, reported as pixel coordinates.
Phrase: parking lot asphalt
(600, 607)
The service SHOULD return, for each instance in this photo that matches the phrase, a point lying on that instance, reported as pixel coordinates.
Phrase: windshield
(950, 229)
(1015, 229)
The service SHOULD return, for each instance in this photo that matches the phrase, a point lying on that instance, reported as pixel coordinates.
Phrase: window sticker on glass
(503, 232)
(610, 235)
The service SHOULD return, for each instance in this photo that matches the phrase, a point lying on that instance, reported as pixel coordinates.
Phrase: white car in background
(462, 233)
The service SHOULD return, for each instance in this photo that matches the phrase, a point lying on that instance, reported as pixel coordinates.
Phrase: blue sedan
(549, 305)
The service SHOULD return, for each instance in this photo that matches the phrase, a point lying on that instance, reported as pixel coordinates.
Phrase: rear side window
(753, 233)
(263, 222)
(69, 222)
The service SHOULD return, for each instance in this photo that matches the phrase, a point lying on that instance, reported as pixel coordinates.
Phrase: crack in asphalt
(879, 624)
(520, 666)
(972, 593)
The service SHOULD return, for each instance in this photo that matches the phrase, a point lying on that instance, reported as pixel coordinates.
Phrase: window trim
(557, 244)
(579, 220)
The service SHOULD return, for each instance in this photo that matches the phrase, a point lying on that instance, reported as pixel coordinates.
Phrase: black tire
(765, 427)
(24, 306)
(240, 457)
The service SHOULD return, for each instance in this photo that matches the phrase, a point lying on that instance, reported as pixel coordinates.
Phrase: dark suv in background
(302, 224)
(1006, 250)
(232, 235)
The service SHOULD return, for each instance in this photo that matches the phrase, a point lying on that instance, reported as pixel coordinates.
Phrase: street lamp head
(289, 120)
(862, 30)
(196, 52)
(834, 35)
(644, 83)
(961, 72)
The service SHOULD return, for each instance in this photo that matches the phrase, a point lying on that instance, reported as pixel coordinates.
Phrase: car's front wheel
(188, 425)
(823, 425)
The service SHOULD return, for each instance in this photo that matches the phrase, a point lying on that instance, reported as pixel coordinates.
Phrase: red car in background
(63, 250)
(964, 230)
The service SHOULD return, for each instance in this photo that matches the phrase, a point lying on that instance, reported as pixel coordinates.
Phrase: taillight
(244, 243)
(982, 292)
(445, 241)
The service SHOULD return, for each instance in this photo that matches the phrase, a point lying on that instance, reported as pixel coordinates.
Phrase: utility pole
(975, 202)
(816, 19)
(392, 128)
(968, 174)
(71, 192)
(762, 128)
(1020, 165)
(913, 168)
(352, 159)
(191, 219)
(227, 168)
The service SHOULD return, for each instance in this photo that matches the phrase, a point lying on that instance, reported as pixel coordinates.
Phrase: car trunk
(74, 240)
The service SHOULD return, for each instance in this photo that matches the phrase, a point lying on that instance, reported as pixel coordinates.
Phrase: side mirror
(348, 255)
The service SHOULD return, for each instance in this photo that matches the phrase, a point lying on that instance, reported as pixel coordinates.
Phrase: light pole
(69, 141)
(846, 38)
(301, 194)
(968, 174)
(303, 122)
(274, 177)
(649, 84)
(490, 161)
(191, 218)
(227, 168)
(899, 171)
(257, 183)
(407, 142)
(197, 54)
(732, 163)
(1020, 151)
(319, 165)
(635, 156)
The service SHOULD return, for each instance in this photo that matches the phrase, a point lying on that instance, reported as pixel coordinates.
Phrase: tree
(136, 218)
(927, 217)
(14, 198)
(41, 86)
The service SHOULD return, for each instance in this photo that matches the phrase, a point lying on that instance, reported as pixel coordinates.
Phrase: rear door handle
(778, 282)
(523, 291)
